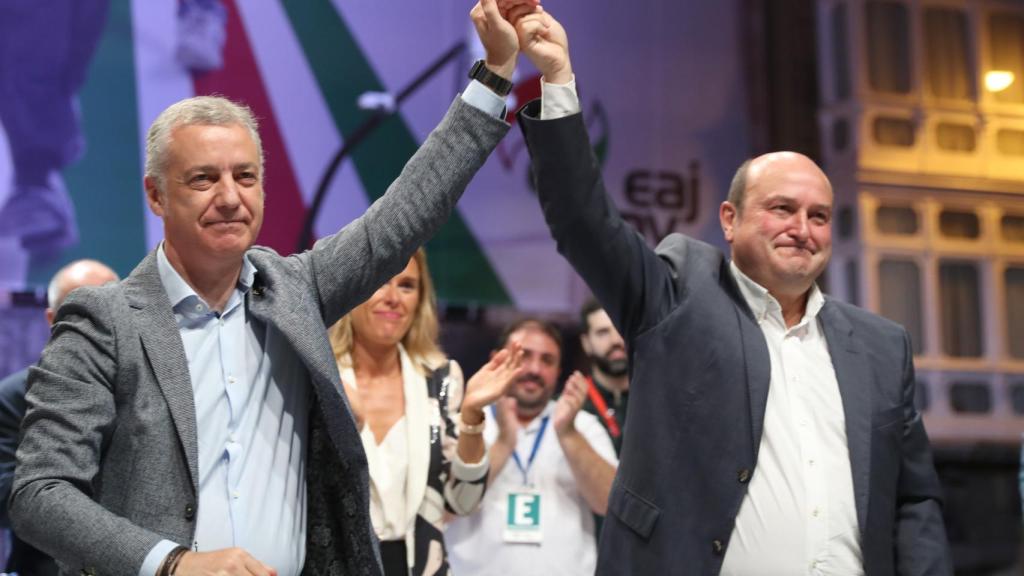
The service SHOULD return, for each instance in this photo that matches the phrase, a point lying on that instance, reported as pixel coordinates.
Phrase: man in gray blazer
(23, 558)
(190, 419)
(772, 429)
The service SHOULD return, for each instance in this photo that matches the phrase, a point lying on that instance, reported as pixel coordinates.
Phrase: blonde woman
(424, 457)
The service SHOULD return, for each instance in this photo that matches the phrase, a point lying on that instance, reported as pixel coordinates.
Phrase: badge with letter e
(522, 524)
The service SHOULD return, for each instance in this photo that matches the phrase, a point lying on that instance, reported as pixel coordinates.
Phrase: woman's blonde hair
(420, 342)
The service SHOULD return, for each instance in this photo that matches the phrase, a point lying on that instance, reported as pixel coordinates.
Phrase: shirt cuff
(558, 100)
(156, 555)
(470, 472)
(483, 98)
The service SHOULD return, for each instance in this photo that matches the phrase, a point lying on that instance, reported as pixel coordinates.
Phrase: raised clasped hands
(494, 26)
(543, 40)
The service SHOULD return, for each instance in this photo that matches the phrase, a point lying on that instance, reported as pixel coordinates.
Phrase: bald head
(75, 275)
(778, 222)
(748, 174)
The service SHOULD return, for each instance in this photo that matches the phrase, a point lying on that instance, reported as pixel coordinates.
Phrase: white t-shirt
(476, 543)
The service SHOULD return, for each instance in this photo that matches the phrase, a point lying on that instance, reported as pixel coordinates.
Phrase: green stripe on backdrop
(458, 265)
(106, 184)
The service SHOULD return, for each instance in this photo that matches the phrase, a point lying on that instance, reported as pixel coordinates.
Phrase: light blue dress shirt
(252, 402)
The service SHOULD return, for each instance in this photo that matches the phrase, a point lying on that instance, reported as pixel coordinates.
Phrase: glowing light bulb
(998, 80)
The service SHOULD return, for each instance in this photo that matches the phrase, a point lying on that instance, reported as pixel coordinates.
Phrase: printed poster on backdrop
(661, 85)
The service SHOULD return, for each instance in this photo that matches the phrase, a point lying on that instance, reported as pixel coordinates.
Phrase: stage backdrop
(662, 88)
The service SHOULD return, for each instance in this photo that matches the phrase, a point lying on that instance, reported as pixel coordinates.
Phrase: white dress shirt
(799, 515)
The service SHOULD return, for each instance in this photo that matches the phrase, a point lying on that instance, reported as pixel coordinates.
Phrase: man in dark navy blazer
(772, 429)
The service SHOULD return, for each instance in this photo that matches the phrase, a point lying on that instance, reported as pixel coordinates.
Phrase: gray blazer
(699, 386)
(107, 465)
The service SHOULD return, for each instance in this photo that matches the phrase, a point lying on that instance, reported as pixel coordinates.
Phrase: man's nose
(228, 193)
(800, 226)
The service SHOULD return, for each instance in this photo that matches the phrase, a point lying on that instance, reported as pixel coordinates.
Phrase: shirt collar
(534, 424)
(762, 303)
(179, 292)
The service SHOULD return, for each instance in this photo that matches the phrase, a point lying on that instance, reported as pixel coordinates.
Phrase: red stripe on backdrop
(240, 80)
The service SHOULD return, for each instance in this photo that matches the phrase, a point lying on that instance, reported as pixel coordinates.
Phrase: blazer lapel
(161, 340)
(755, 357)
(300, 322)
(855, 384)
(418, 440)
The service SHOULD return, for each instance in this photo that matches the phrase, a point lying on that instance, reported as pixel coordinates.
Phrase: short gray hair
(738, 187)
(199, 110)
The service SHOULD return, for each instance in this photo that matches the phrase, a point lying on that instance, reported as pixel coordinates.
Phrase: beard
(615, 368)
(530, 403)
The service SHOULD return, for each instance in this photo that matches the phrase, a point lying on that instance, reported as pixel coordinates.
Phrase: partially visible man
(773, 430)
(608, 384)
(190, 420)
(23, 558)
(552, 466)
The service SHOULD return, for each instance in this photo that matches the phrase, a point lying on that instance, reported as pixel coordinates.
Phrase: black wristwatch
(481, 73)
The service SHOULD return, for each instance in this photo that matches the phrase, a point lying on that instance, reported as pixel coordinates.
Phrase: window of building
(896, 220)
(840, 57)
(1006, 46)
(840, 134)
(960, 309)
(959, 224)
(955, 137)
(1013, 228)
(1017, 397)
(853, 281)
(899, 296)
(947, 53)
(888, 46)
(845, 221)
(890, 131)
(971, 397)
(1010, 142)
(1014, 278)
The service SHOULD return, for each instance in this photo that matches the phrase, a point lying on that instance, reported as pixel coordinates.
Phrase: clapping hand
(569, 403)
(493, 380)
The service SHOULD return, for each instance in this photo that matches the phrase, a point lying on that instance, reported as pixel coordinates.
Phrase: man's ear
(727, 218)
(153, 197)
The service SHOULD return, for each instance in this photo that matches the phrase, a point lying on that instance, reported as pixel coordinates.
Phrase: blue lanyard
(533, 452)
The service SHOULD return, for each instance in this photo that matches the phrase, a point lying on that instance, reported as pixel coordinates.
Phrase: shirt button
(235, 494)
(717, 547)
(815, 513)
(190, 512)
(743, 475)
(231, 379)
(199, 307)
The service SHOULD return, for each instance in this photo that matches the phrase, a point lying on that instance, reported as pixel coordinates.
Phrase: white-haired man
(189, 420)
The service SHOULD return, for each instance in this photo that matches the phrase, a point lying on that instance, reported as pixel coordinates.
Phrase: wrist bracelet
(170, 563)
(472, 429)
